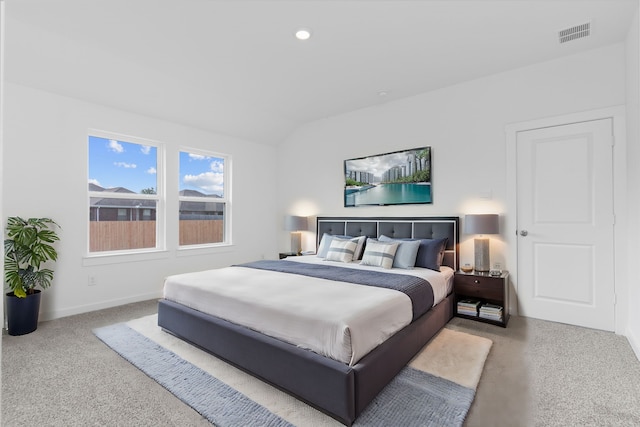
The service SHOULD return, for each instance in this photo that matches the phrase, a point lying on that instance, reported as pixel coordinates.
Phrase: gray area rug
(210, 397)
(414, 398)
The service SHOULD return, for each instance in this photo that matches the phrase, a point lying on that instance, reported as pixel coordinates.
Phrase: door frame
(617, 114)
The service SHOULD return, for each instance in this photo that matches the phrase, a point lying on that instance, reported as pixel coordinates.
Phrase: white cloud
(217, 166)
(197, 157)
(94, 181)
(209, 182)
(152, 171)
(125, 165)
(145, 149)
(115, 146)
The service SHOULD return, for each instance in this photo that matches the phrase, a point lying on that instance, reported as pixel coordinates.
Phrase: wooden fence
(123, 235)
(201, 231)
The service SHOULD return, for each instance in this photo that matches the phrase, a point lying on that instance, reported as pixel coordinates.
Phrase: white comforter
(343, 321)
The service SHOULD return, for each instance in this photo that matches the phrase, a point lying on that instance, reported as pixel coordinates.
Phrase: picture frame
(395, 178)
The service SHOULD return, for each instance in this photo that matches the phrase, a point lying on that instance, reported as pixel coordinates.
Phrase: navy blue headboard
(397, 227)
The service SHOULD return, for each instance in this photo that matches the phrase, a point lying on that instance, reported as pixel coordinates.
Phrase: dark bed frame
(333, 387)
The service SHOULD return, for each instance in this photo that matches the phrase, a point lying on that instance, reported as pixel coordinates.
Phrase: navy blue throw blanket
(417, 289)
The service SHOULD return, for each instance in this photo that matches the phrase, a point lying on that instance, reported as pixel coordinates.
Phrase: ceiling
(234, 67)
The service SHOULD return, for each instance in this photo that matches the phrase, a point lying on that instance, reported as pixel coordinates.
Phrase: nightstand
(484, 289)
(286, 254)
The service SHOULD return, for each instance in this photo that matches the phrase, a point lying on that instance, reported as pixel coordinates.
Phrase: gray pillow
(431, 253)
(406, 253)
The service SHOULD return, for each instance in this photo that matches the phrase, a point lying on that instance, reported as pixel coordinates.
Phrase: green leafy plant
(27, 247)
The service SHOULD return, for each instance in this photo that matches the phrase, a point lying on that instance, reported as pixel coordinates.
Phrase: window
(124, 196)
(203, 198)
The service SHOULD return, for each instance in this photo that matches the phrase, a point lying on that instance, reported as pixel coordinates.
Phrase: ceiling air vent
(575, 32)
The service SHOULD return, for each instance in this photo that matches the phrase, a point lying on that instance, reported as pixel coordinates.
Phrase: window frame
(226, 199)
(159, 197)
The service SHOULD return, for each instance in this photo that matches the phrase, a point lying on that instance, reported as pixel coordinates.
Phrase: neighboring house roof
(118, 203)
(122, 203)
(195, 193)
(95, 187)
(204, 206)
(133, 203)
(192, 193)
(118, 190)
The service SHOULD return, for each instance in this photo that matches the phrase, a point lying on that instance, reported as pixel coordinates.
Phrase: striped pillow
(341, 250)
(379, 254)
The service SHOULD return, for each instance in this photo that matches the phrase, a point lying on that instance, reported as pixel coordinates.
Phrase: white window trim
(159, 197)
(226, 199)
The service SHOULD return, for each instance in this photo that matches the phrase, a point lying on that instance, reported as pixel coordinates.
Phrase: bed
(342, 388)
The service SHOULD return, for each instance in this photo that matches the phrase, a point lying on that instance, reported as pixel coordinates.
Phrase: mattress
(343, 321)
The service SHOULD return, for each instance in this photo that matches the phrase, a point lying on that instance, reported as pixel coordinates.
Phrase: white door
(565, 224)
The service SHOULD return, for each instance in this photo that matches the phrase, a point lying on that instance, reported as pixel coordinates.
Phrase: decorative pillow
(431, 253)
(359, 249)
(341, 250)
(406, 253)
(325, 243)
(379, 254)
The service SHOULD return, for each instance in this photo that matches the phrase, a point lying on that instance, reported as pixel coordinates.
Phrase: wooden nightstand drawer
(484, 287)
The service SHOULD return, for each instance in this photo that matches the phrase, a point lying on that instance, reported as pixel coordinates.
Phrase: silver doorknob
(523, 233)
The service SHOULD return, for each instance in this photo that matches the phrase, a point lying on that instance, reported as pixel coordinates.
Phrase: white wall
(45, 174)
(2, 38)
(465, 126)
(633, 189)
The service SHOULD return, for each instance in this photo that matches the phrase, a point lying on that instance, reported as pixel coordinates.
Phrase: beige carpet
(455, 356)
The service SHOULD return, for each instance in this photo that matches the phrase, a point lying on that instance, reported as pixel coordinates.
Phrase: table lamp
(481, 224)
(295, 224)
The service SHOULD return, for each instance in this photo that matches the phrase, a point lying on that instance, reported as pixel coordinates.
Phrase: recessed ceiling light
(303, 34)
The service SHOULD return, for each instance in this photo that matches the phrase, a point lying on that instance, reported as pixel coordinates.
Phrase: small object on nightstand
(467, 268)
(283, 255)
(491, 312)
(468, 307)
(496, 271)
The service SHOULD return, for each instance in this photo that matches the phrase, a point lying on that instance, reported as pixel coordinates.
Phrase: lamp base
(296, 242)
(481, 249)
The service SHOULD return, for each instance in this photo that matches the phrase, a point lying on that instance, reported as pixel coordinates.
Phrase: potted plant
(27, 247)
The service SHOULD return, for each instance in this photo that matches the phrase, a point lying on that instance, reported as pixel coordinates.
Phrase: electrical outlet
(92, 281)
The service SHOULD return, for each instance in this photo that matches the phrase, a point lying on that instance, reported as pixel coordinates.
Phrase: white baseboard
(634, 342)
(51, 315)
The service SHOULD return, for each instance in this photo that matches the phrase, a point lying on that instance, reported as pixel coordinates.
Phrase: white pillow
(341, 250)
(379, 254)
(326, 240)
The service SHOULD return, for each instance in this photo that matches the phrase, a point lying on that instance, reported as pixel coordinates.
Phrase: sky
(134, 166)
(377, 165)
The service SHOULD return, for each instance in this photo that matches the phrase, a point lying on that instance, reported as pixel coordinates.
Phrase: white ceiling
(234, 67)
